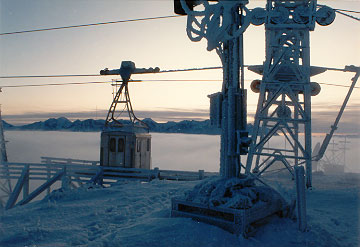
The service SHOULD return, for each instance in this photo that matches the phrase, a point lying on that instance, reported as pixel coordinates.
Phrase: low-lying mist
(169, 151)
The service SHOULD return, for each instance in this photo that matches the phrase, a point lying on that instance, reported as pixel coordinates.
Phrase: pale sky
(161, 43)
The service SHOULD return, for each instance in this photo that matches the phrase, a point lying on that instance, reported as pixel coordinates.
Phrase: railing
(77, 175)
(53, 160)
(185, 175)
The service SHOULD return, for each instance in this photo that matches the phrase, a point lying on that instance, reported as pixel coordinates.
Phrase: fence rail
(54, 160)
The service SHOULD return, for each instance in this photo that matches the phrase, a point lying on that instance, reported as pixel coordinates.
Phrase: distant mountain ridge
(89, 125)
(63, 123)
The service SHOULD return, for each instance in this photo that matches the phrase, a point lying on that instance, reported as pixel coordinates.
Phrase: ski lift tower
(222, 24)
(284, 105)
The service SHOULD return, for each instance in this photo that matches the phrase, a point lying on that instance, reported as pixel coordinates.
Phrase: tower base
(235, 205)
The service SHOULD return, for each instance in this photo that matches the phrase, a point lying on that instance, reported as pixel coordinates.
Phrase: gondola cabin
(125, 149)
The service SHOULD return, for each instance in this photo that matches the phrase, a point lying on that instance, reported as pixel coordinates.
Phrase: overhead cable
(345, 10)
(41, 76)
(84, 75)
(134, 20)
(351, 16)
(162, 71)
(155, 80)
(100, 82)
(350, 11)
(335, 85)
(89, 25)
(175, 80)
(192, 69)
(55, 84)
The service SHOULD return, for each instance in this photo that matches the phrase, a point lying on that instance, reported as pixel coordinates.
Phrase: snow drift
(132, 213)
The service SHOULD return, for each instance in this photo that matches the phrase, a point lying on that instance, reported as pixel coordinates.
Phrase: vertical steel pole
(307, 106)
(301, 201)
(233, 79)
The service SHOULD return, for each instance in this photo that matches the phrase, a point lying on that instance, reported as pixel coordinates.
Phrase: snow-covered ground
(132, 213)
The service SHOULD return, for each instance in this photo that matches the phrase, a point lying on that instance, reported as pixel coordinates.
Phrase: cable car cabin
(125, 149)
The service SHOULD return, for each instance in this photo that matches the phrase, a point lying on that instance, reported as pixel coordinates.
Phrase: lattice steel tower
(284, 105)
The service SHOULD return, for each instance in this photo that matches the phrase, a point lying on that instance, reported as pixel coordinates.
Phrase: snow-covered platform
(237, 221)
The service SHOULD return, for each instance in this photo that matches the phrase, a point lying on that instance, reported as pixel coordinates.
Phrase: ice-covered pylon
(222, 24)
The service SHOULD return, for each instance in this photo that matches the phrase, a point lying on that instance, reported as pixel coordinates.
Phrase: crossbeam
(42, 187)
(19, 185)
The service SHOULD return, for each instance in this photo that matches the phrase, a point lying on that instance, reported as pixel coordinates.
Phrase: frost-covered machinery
(125, 143)
(228, 202)
(284, 105)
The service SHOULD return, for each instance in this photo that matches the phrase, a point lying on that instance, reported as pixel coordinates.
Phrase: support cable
(335, 85)
(42, 76)
(192, 69)
(345, 10)
(84, 75)
(100, 82)
(54, 84)
(155, 80)
(350, 11)
(89, 25)
(350, 16)
(162, 71)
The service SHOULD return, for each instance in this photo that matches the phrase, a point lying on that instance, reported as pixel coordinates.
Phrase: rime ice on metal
(284, 105)
(232, 201)
(222, 24)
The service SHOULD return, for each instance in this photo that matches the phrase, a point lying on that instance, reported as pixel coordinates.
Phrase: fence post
(26, 182)
(157, 172)
(301, 201)
(65, 181)
(101, 177)
(201, 174)
(48, 175)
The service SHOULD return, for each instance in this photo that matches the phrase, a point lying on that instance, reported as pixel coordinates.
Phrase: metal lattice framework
(284, 105)
(5, 183)
(122, 96)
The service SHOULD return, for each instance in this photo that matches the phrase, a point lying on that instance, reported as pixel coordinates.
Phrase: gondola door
(120, 156)
(117, 151)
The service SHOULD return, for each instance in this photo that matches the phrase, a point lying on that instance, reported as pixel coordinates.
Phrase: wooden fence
(72, 173)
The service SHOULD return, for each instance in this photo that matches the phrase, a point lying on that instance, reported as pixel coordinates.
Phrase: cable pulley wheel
(255, 86)
(325, 16)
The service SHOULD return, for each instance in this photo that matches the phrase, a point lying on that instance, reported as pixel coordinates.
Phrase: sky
(155, 43)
